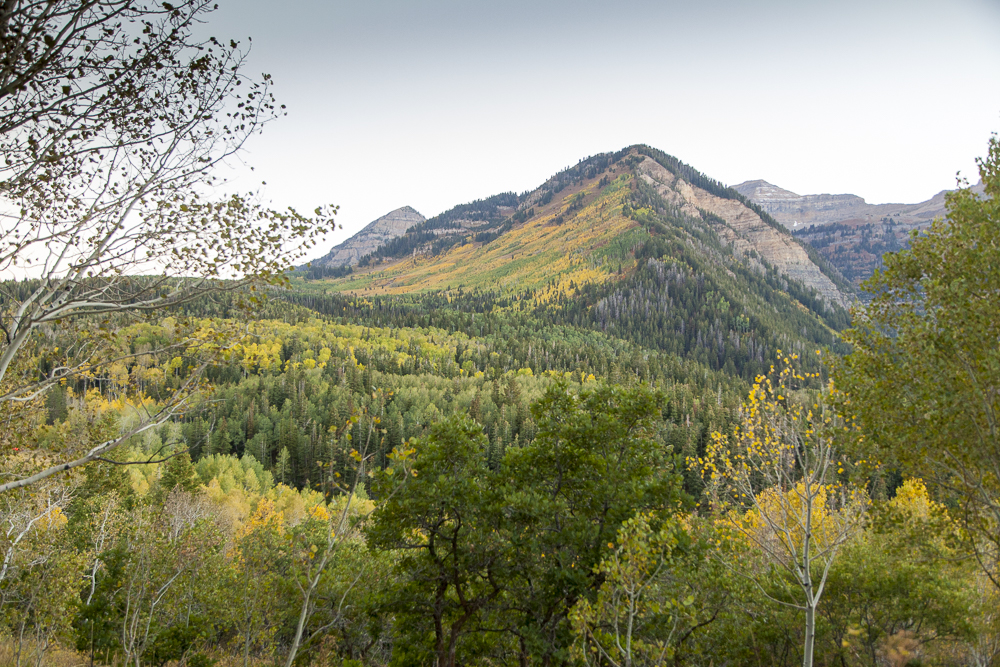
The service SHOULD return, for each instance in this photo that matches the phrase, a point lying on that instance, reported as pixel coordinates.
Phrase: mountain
(796, 211)
(523, 241)
(849, 232)
(633, 245)
(744, 229)
(375, 234)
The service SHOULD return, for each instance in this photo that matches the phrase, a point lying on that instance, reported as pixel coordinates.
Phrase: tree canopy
(113, 117)
(924, 375)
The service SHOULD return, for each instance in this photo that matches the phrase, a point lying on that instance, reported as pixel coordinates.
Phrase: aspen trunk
(807, 653)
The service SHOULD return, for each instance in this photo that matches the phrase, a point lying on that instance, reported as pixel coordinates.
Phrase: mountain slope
(505, 239)
(743, 228)
(635, 244)
(562, 239)
(375, 234)
(849, 232)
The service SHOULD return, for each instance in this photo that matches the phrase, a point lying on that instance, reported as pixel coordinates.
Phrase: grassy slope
(540, 254)
(548, 258)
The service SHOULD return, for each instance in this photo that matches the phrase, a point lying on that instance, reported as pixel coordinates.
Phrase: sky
(439, 102)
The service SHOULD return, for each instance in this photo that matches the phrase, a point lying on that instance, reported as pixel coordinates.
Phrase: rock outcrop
(743, 229)
(849, 232)
(796, 211)
(389, 226)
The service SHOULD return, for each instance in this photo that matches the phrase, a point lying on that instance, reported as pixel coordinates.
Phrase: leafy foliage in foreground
(925, 373)
(466, 559)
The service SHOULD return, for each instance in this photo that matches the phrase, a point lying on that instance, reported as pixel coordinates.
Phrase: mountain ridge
(848, 231)
(633, 245)
(484, 221)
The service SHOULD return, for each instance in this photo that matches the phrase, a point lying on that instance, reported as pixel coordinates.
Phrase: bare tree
(113, 116)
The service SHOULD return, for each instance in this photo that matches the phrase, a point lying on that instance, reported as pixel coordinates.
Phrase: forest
(611, 439)
(413, 481)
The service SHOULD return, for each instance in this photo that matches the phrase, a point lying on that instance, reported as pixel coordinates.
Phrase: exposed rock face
(794, 210)
(743, 228)
(851, 233)
(386, 228)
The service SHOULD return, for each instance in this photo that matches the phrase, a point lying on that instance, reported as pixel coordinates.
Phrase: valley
(535, 380)
(625, 415)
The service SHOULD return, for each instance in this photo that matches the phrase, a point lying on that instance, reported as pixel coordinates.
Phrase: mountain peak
(386, 228)
(586, 225)
(851, 233)
(402, 210)
(760, 190)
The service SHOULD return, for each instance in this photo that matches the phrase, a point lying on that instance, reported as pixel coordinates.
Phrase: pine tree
(195, 434)
(475, 410)
(178, 472)
(221, 440)
(251, 420)
(55, 403)
(283, 468)
(105, 477)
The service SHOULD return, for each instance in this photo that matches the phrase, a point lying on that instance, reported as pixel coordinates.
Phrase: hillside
(634, 244)
(744, 229)
(571, 237)
(563, 227)
(849, 232)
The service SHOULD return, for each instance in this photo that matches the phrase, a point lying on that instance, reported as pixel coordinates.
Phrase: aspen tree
(778, 482)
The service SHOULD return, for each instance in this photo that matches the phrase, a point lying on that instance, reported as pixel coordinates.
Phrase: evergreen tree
(178, 471)
(283, 467)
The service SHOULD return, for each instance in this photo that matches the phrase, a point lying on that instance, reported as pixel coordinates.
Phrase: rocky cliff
(794, 210)
(849, 232)
(743, 229)
(388, 227)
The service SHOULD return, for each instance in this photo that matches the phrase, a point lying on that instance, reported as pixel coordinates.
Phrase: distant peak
(762, 190)
(390, 226)
(403, 209)
(755, 184)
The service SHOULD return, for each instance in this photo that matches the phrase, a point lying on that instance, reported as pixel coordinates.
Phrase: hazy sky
(435, 103)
